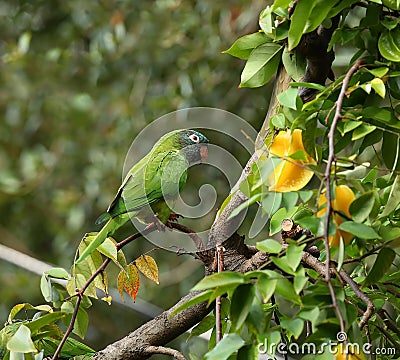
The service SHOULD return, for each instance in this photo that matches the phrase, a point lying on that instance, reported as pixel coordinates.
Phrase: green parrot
(152, 183)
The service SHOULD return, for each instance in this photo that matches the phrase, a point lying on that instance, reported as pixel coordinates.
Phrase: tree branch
(166, 351)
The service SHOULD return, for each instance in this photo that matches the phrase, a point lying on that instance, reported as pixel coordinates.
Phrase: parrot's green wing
(164, 176)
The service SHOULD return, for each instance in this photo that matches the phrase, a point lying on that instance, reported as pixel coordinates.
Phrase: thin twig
(331, 157)
(369, 253)
(370, 306)
(196, 238)
(80, 292)
(164, 350)
(220, 268)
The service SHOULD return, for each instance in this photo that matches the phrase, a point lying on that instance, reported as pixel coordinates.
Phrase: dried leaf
(148, 267)
(129, 281)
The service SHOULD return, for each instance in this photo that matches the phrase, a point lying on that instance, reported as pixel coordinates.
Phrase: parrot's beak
(204, 152)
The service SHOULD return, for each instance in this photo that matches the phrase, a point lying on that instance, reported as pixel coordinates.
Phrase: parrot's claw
(157, 223)
(174, 217)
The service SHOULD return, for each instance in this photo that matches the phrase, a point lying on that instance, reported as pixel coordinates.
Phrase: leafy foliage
(290, 304)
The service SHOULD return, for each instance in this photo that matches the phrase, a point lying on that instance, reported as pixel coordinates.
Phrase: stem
(328, 181)
(220, 268)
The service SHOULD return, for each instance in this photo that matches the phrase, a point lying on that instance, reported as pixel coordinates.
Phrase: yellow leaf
(129, 281)
(290, 174)
(148, 267)
(344, 196)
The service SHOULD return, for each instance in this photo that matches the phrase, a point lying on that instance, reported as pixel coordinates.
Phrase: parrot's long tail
(108, 229)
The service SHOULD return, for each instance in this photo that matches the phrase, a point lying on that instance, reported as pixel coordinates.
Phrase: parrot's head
(193, 144)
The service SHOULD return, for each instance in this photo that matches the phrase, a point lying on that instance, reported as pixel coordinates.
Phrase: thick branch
(159, 331)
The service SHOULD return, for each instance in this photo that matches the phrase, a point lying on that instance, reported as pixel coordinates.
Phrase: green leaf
(266, 286)
(381, 266)
(281, 4)
(294, 254)
(389, 233)
(394, 198)
(294, 63)
(46, 319)
(108, 248)
(300, 280)
(279, 121)
(276, 221)
(270, 246)
(288, 98)
(390, 150)
(341, 5)
(389, 44)
(225, 348)
(301, 14)
(271, 202)
(245, 205)
(243, 46)
(26, 306)
(203, 326)
(392, 4)
(361, 207)
(21, 341)
(360, 230)
(220, 279)
(305, 195)
(241, 302)
(383, 115)
(307, 16)
(197, 299)
(265, 20)
(294, 327)
(58, 273)
(45, 288)
(308, 85)
(285, 289)
(378, 72)
(282, 263)
(81, 323)
(379, 87)
(362, 131)
(262, 64)
(310, 315)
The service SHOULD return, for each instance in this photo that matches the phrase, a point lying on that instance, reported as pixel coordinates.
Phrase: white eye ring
(194, 138)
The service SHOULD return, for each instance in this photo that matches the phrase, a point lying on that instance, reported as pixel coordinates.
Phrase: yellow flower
(291, 174)
(343, 197)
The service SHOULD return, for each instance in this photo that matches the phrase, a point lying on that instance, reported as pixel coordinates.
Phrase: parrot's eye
(194, 138)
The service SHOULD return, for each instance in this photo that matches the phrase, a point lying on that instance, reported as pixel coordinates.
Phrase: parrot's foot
(156, 223)
(174, 217)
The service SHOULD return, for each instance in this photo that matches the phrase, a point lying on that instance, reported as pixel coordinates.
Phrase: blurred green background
(78, 81)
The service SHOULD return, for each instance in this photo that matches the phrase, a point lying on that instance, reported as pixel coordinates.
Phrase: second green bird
(152, 183)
